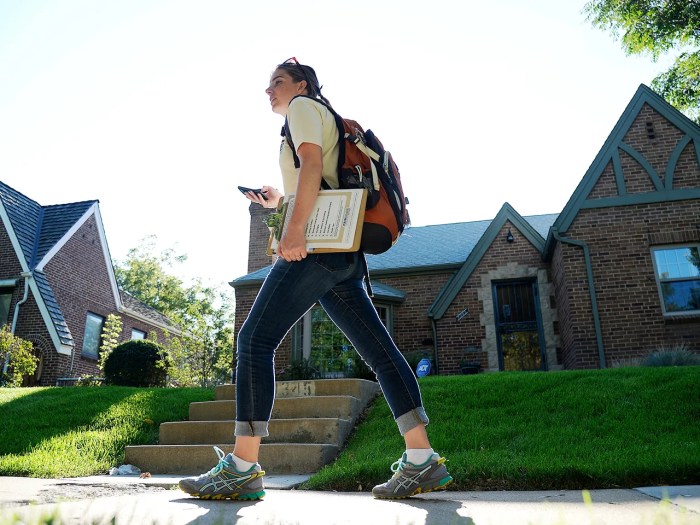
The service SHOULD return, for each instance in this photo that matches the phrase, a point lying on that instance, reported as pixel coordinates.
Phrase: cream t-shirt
(312, 122)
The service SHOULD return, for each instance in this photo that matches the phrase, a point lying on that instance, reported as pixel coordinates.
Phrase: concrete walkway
(129, 500)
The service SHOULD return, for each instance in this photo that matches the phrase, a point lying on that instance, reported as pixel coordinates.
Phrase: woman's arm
(292, 246)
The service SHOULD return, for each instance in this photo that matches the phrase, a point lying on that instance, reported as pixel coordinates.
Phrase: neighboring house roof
(534, 229)
(435, 247)
(387, 293)
(37, 233)
(133, 304)
(664, 190)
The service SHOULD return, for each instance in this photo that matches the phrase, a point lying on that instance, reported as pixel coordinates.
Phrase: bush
(299, 370)
(137, 363)
(21, 360)
(678, 356)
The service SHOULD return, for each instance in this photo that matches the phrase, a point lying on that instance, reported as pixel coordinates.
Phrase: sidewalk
(130, 500)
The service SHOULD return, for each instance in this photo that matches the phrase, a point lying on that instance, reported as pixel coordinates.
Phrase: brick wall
(259, 235)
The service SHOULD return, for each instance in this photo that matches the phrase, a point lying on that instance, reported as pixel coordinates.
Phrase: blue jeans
(335, 280)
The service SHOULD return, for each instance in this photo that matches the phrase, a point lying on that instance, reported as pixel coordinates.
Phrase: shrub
(18, 353)
(359, 369)
(111, 332)
(137, 363)
(678, 356)
(299, 370)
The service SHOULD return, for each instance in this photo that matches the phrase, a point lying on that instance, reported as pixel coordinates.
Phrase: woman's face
(282, 89)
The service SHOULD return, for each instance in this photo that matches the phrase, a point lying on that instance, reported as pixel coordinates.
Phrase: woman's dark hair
(300, 72)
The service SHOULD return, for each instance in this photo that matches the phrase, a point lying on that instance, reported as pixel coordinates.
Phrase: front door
(518, 326)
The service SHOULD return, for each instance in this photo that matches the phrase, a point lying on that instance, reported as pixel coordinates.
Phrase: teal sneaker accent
(225, 482)
(409, 479)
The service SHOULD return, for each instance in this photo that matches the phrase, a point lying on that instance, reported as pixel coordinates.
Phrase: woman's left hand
(292, 246)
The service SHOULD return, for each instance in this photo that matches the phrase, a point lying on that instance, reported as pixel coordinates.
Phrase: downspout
(15, 316)
(435, 345)
(591, 289)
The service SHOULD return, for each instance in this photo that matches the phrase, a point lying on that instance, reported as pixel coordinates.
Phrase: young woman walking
(297, 281)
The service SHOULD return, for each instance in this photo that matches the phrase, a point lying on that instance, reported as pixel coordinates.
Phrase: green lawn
(567, 430)
(81, 431)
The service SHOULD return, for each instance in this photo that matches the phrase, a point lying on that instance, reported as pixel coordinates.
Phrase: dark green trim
(455, 284)
(673, 160)
(644, 163)
(643, 198)
(423, 270)
(619, 175)
(591, 290)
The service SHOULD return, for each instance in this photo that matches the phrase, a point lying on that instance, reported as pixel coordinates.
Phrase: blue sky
(157, 108)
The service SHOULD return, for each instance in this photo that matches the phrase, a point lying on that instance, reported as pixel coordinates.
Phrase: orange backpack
(364, 163)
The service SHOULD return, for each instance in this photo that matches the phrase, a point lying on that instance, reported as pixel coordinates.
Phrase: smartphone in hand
(257, 191)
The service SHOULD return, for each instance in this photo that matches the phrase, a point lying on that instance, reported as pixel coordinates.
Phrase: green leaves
(203, 351)
(654, 27)
(18, 353)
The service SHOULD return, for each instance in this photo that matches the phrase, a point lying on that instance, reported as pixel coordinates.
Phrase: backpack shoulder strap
(341, 136)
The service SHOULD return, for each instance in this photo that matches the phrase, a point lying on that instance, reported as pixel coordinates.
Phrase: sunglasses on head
(294, 62)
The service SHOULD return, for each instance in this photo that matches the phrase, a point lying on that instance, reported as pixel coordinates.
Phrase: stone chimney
(259, 234)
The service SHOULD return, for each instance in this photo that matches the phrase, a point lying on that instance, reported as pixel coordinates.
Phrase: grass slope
(569, 430)
(57, 432)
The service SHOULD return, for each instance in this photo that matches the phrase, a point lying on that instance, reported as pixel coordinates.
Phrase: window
(93, 335)
(137, 334)
(678, 277)
(5, 300)
(319, 340)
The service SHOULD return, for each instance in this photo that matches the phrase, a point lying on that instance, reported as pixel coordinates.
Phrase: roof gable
(535, 235)
(660, 185)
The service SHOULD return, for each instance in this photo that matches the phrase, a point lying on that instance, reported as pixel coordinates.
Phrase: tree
(143, 275)
(654, 27)
(110, 337)
(16, 354)
(203, 353)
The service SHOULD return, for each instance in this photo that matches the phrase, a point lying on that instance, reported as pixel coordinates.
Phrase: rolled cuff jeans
(336, 281)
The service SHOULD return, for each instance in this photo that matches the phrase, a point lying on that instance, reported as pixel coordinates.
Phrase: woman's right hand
(273, 197)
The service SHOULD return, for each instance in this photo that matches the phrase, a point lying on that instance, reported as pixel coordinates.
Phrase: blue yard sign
(423, 368)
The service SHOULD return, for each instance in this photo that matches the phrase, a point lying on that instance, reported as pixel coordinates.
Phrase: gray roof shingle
(56, 222)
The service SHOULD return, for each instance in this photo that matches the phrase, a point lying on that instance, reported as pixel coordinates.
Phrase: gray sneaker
(409, 479)
(225, 482)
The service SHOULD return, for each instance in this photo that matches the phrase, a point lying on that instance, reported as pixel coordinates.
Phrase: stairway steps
(308, 430)
(311, 420)
(344, 407)
(361, 389)
(276, 458)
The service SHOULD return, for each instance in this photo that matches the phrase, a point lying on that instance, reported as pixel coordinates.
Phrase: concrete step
(188, 460)
(360, 388)
(311, 421)
(344, 407)
(307, 430)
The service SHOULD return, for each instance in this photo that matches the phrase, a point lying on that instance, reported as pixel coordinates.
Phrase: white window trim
(659, 281)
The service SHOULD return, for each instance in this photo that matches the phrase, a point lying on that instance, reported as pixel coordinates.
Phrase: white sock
(241, 464)
(418, 456)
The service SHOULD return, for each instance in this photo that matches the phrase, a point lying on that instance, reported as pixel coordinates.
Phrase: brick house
(612, 277)
(57, 285)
